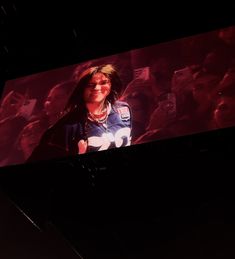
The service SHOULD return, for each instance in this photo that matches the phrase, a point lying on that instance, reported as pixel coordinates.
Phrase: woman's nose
(97, 87)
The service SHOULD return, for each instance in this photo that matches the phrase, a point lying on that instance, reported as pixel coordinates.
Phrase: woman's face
(97, 89)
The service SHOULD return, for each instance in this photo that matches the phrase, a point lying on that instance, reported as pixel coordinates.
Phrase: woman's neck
(95, 108)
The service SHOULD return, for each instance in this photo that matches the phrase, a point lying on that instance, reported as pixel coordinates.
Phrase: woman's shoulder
(119, 104)
(123, 109)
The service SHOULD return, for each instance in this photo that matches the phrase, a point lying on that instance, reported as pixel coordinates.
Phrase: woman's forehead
(99, 76)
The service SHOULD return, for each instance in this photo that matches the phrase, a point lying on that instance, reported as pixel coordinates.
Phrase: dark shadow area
(21, 237)
(168, 198)
(171, 198)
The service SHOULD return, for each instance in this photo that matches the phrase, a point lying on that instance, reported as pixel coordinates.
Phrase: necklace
(99, 118)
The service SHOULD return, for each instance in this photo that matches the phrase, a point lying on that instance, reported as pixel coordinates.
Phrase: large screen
(167, 90)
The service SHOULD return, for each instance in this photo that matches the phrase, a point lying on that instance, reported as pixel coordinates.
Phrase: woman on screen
(94, 119)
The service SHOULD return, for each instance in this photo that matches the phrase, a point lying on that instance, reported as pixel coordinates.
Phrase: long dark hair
(76, 99)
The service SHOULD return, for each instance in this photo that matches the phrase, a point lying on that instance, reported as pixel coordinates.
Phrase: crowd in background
(175, 88)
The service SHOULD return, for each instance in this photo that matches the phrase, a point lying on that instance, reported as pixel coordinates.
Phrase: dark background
(167, 199)
(39, 36)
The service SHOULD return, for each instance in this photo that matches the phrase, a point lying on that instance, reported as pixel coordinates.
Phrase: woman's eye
(104, 82)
